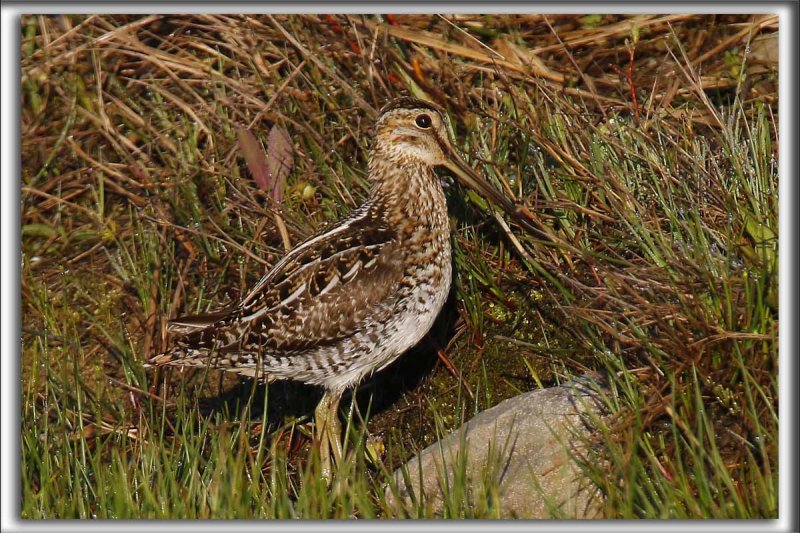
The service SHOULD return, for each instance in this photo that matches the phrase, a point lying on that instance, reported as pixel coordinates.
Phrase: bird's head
(412, 131)
(415, 132)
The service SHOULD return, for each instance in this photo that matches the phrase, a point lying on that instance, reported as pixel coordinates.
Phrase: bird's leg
(335, 427)
(320, 435)
(328, 430)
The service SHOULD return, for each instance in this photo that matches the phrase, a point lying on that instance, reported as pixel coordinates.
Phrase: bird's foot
(328, 434)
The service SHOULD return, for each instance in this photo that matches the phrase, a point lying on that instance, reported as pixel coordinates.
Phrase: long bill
(471, 179)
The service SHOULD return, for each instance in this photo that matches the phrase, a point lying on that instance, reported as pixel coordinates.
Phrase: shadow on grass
(288, 399)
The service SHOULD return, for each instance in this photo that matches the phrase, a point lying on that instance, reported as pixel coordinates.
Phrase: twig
(472, 37)
(631, 84)
(452, 369)
(586, 79)
(229, 242)
(363, 104)
(753, 28)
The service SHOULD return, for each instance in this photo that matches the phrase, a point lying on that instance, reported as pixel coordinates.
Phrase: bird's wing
(322, 291)
(185, 325)
(327, 288)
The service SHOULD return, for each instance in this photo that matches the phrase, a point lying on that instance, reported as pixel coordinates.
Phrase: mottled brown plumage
(350, 300)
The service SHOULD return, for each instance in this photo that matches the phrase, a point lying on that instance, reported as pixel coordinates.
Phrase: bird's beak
(468, 177)
(477, 183)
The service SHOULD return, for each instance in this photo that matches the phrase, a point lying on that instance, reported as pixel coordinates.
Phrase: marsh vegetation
(644, 146)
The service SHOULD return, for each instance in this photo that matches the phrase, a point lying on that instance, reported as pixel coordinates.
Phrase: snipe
(350, 300)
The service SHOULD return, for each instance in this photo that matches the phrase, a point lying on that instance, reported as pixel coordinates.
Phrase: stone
(519, 452)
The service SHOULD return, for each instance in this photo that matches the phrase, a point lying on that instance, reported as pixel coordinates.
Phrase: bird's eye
(424, 121)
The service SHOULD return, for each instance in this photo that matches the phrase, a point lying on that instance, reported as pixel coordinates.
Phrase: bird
(351, 299)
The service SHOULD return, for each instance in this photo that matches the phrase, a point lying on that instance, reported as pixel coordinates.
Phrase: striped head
(412, 132)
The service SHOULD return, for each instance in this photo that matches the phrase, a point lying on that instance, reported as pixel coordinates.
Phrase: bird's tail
(180, 356)
(186, 325)
(244, 364)
(195, 340)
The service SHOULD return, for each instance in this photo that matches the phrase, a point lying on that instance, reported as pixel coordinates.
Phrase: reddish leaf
(280, 157)
(255, 159)
(269, 170)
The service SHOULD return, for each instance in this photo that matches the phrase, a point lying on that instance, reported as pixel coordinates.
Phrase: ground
(644, 146)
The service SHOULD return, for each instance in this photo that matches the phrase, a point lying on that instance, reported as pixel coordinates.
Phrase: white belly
(400, 334)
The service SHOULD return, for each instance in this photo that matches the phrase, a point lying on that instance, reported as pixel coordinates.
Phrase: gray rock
(517, 455)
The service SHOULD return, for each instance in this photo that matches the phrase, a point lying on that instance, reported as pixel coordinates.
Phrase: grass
(650, 170)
